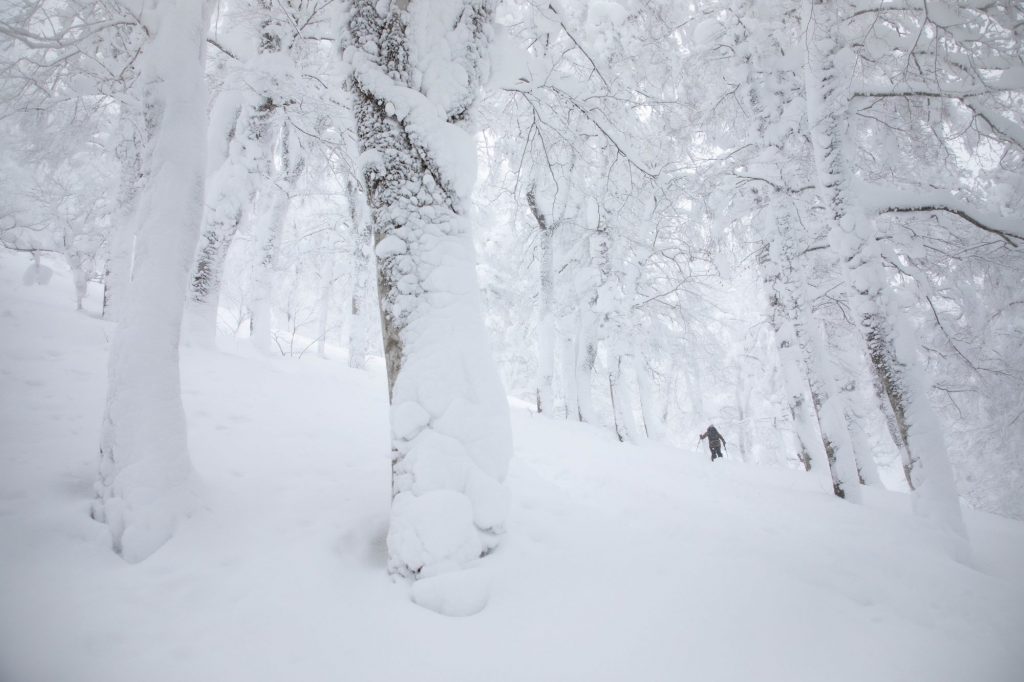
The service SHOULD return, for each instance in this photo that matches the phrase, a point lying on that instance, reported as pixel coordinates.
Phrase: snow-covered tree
(416, 68)
(145, 472)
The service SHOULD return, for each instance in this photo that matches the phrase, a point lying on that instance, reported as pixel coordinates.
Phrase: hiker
(715, 441)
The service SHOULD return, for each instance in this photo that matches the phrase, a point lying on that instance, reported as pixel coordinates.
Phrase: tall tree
(243, 131)
(416, 68)
(145, 470)
(890, 341)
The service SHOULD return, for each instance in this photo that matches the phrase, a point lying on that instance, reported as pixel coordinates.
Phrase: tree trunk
(891, 343)
(246, 170)
(144, 464)
(233, 188)
(78, 276)
(827, 403)
(742, 413)
(889, 399)
(326, 287)
(867, 470)
(545, 310)
(809, 441)
(450, 432)
(204, 296)
(810, 446)
(654, 425)
(622, 411)
(586, 358)
(268, 237)
(362, 257)
(568, 367)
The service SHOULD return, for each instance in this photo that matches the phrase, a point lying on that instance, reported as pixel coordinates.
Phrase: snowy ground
(622, 563)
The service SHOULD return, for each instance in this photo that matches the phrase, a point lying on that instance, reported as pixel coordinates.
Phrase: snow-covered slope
(622, 563)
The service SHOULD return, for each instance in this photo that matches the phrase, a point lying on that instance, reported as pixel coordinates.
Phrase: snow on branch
(1002, 126)
(881, 200)
(217, 44)
(952, 93)
(66, 37)
(592, 114)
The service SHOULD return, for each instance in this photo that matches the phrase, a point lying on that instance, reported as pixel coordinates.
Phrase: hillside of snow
(621, 562)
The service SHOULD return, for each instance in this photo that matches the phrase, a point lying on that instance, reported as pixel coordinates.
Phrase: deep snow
(621, 562)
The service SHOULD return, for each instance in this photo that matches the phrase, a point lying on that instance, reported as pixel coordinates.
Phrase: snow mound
(461, 593)
(432, 532)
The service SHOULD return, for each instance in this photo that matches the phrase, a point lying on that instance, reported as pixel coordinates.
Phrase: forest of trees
(801, 220)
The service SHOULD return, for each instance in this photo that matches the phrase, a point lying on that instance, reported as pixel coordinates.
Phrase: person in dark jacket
(715, 441)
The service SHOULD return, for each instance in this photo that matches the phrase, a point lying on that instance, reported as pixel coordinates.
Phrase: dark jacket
(713, 436)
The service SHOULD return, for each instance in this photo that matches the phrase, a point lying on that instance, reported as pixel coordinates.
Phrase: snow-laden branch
(593, 114)
(558, 16)
(952, 18)
(1005, 127)
(913, 91)
(1002, 126)
(883, 200)
(67, 37)
(217, 44)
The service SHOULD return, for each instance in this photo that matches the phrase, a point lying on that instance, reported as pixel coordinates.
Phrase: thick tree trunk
(891, 342)
(450, 434)
(777, 271)
(890, 400)
(145, 471)
(204, 296)
(827, 404)
(233, 188)
(246, 170)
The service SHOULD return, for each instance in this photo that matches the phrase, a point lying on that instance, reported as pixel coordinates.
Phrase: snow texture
(627, 562)
(462, 593)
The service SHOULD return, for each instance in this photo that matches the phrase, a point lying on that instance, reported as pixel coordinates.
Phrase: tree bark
(233, 188)
(245, 172)
(450, 434)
